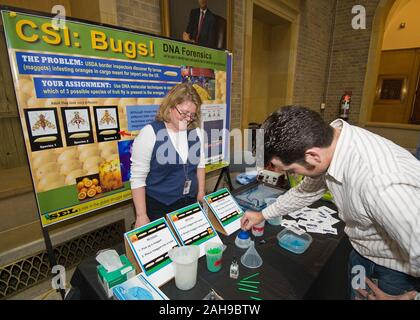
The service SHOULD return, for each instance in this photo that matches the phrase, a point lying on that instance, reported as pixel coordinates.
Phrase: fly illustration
(77, 120)
(42, 123)
(107, 118)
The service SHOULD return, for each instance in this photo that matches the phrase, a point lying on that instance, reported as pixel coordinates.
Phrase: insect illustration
(77, 120)
(107, 118)
(42, 123)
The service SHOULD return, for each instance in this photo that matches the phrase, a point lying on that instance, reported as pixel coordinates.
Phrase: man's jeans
(390, 281)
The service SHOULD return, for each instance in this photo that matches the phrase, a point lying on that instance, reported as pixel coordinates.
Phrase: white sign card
(150, 245)
(225, 209)
(193, 227)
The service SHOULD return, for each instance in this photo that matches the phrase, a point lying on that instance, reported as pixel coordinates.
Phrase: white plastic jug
(185, 266)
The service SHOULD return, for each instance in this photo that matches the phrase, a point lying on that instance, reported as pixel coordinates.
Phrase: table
(318, 273)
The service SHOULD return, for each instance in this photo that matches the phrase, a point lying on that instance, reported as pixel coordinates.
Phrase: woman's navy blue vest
(166, 179)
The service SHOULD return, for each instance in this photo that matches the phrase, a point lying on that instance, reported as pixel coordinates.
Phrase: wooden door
(415, 115)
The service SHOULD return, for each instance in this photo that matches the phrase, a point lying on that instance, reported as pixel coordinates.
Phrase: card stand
(161, 276)
(203, 231)
(229, 228)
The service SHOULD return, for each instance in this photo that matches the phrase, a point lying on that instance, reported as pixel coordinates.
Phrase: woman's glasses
(192, 116)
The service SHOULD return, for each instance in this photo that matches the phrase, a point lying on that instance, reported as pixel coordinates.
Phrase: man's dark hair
(292, 130)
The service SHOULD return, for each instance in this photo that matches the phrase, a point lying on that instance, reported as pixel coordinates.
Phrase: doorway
(403, 134)
(269, 61)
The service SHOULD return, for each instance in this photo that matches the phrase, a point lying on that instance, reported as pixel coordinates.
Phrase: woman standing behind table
(167, 162)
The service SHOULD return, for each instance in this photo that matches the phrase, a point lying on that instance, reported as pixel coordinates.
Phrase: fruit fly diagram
(77, 120)
(107, 123)
(43, 128)
(107, 118)
(43, 123)
(77, 125)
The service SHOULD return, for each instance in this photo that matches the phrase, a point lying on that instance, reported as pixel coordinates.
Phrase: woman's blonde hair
(182, 92)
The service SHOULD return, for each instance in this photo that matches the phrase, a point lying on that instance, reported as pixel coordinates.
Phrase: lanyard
(187, 183)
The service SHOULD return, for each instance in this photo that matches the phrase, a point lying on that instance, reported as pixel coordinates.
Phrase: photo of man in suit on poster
(201, 28)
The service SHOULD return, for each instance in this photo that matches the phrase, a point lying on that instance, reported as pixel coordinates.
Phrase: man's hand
(250, 219)
(378, 294)
(141, 220)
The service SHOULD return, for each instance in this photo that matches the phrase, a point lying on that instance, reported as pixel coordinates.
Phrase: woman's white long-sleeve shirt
(142, 149)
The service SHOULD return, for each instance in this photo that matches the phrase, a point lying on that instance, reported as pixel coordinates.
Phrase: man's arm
(304, 194)
(396, 208)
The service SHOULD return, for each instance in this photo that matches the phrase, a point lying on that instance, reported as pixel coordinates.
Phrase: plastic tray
(254, 198)
(293, 242)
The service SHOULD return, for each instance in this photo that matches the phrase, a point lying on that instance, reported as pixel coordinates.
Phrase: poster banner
(84, 91)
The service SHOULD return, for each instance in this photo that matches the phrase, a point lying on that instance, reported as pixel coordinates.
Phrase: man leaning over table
(376, 188)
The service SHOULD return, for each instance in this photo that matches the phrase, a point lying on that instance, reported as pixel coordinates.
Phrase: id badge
(187, 186)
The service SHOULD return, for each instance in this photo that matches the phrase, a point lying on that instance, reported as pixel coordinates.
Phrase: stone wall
(349, 58)
(141, 15)
(312, 63)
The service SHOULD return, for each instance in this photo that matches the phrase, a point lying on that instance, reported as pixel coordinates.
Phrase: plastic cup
(185, 266)
(258, 229)
(277, 220)
(243, 241)
(214, 253)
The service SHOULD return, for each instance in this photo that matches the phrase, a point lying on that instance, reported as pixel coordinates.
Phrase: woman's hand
(141, 220)
(139, 198)
(200, 197)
